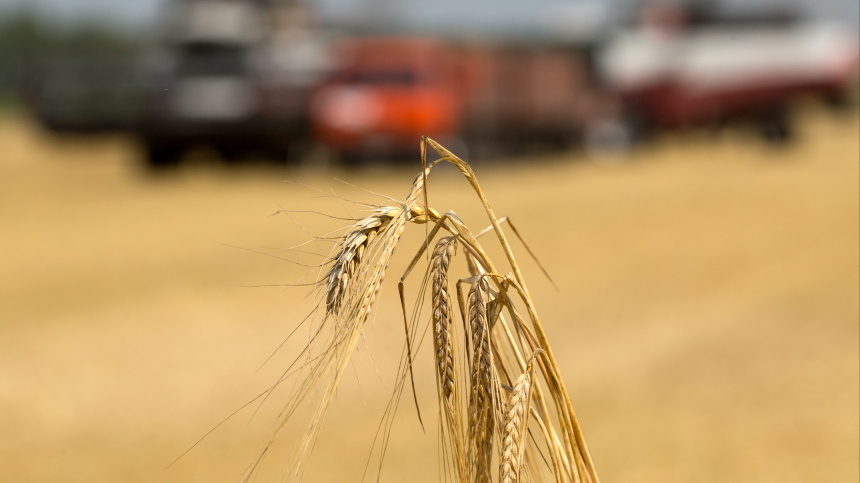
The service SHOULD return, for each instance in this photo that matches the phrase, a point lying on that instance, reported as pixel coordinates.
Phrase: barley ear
(443, 313)
(516, 426)
(480, 400)
(353, 246)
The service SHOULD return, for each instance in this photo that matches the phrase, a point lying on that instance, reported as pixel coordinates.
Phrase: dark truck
(233, 75)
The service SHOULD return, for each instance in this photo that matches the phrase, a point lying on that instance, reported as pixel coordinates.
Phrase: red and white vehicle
(670, 76)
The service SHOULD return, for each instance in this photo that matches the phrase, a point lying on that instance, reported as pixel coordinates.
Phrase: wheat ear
(352, 248)
(351, 312)
(480, 403)
(443, 313)
(516, 426)
(571, 430)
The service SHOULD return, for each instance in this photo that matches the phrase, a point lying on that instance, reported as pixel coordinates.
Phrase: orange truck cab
(386, 93)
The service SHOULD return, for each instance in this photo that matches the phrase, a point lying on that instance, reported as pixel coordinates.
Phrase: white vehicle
(231, 74)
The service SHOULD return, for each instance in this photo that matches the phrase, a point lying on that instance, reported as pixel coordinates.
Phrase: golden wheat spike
(515, 427)
(496, 342)
(443, 313)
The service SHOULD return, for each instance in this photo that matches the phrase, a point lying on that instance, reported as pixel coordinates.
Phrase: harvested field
(706, 325)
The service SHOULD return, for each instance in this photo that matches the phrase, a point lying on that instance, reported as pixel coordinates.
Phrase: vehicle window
(211, 60)
(390, 77)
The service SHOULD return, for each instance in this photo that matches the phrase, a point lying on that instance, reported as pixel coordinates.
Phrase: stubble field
(706, 323)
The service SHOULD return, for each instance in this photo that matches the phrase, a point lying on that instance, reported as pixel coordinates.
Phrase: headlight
(348, 108)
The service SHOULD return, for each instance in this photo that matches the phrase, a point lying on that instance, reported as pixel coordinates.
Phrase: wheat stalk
(496, 337)
(573, 442)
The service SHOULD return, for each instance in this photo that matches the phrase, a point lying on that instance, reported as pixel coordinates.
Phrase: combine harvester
(676, 71)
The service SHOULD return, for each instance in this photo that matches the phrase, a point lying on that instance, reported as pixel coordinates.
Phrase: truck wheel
(609, 140)
(776, 126)
(160, 155)
(352, 160)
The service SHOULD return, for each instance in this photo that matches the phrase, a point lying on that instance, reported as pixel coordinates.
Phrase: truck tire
(352, 159)
(162, 155)
(776, 126)
(609, 140)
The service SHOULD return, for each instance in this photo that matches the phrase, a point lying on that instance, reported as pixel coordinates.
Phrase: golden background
(706, 323)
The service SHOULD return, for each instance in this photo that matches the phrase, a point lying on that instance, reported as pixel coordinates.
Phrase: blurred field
(707, 323)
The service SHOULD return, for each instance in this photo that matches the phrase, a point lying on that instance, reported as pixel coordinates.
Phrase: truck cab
(219, 78)
(386, 93)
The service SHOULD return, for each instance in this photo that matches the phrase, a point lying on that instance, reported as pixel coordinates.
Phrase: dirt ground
(706, 323)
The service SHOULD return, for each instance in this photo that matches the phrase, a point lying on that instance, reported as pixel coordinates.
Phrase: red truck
(389, 91)
(385, 95)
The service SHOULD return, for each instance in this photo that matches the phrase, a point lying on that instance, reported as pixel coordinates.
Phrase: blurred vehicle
(521, 97)
(672, 73)
(388, 91)
(95, 94)
(234, 75)
(386, 94)
(260, 76)
(75, 78)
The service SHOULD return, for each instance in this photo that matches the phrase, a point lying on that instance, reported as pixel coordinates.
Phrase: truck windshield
(204, 60)
(388, 77)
